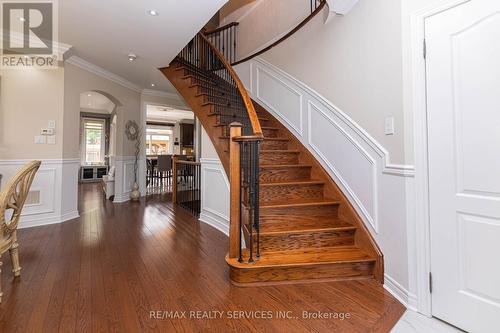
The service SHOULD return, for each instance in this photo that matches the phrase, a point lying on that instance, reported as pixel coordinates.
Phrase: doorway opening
(171, 134)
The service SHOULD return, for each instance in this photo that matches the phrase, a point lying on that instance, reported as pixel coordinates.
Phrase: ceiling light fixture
(90, 95)
(152, 84)
(153, 12)
(22, 19)
(132, 57)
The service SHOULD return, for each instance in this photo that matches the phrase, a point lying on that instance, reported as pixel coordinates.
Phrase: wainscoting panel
(355, 160)
(340, 147)
(214, 195)
(53, 192)
(124, 178)
(278, 96)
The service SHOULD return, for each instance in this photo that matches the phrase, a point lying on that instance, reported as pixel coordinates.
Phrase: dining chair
(164, 166)
(12, 200)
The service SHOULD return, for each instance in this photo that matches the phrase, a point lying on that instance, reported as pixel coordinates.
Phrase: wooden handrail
(279, 41)
(252, 115)
(224, 27)
(187, 162)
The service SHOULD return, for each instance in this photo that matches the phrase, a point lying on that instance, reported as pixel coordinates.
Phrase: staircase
(297, 224)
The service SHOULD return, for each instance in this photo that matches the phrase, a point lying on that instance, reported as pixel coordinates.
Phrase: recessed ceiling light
(153, 12)
(152, 84)
(132, 57)
(89, 95)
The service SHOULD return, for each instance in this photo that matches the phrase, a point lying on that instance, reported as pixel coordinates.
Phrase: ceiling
(96, 102)
(167, 114)
(105, 32)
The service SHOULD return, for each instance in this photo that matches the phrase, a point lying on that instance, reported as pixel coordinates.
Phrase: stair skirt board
(309, 231)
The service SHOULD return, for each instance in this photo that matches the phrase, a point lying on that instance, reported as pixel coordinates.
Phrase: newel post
(174, 180)
(234, 191)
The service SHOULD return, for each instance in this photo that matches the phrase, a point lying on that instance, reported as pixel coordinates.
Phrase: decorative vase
(135, 194)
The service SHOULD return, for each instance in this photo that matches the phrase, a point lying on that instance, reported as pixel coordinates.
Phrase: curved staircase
(305, 228)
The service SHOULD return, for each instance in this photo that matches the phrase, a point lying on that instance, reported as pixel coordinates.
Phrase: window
(158, 141)
(93, 141)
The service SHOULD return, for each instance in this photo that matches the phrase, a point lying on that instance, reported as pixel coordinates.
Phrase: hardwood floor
(108, 270)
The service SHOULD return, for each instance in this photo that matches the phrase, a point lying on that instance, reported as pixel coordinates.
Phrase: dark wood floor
(108, 270)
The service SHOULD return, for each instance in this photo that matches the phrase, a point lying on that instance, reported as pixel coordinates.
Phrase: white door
(463, 92)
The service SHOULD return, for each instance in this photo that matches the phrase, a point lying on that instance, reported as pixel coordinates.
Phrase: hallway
(129, 267)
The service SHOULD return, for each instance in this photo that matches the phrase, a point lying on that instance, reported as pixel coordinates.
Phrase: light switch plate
(52, 124)
(51, 139)
(47, 131)
(389, 125)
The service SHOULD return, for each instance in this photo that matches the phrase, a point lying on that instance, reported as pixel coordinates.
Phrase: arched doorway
(97, 138)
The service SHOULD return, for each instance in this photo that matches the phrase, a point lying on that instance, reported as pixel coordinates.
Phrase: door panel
(463, 97)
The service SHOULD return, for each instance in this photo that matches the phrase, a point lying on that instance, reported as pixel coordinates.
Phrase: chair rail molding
(55, 189)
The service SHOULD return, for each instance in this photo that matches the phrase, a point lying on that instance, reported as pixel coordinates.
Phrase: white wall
(265, 21)
(21, 119)
(355, 62)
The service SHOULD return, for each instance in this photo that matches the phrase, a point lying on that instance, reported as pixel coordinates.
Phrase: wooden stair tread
(265, 139)
(284, 166)
(332, 224)
(289, 151)
(301, 203)
(310, 257)
(293, 182)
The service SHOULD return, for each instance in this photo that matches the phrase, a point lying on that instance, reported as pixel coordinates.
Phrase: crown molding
(94, 69)
(157, 93)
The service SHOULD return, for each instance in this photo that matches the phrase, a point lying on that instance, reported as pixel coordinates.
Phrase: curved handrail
(290, 33)
(224, 27)
(252, 115)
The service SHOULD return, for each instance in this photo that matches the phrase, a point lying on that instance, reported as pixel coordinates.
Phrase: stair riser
(274, 145)
(278, 158)
(306, 240)
(270, 133)
(284, 174)
(277, 215)
(290, 192)
(335, 271)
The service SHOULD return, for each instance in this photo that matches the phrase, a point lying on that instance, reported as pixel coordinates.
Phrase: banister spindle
(174, 180)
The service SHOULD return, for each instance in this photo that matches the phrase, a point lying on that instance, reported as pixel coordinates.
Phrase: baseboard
(399, 292)
(215, 221)
(38, 221)
(122, 198)
(70, 216)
